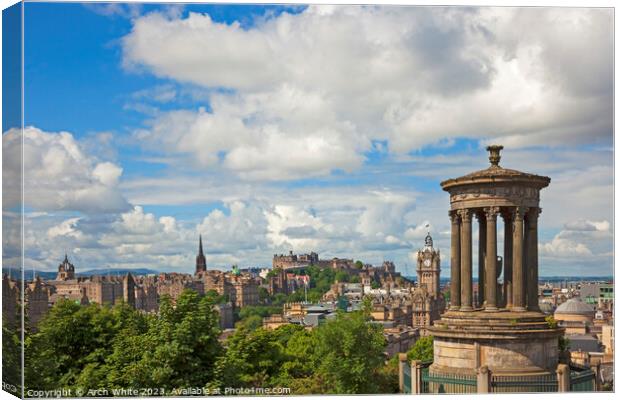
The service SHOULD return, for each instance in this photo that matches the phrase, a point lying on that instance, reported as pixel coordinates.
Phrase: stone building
(145, 292)
(575, 316)
(10, 301)
(217, 280)
(277, 282)
(66, 270)
(427, 300)
(225, 312)
(394, 312)
(173, 284)
(290, 260)
(607, 339)
(598, 295)
(245, 291)
(399, 339)
(37, 300)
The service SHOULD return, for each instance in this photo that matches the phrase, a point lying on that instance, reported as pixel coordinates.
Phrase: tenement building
(503, 331)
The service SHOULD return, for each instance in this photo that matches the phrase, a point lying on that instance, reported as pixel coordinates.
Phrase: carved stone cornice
(515, 193)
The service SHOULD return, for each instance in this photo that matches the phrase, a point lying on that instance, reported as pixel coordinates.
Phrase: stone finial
(494, 155)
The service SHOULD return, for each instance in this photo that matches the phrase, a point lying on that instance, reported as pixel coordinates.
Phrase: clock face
(427, 262)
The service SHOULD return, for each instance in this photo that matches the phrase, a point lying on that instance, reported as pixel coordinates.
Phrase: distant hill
(51, 275)
(119, 271)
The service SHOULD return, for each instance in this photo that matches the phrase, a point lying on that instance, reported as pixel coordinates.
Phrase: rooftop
(574, 306)
(495, 173)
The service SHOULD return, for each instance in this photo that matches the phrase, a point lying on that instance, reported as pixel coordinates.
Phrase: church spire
(201, 260)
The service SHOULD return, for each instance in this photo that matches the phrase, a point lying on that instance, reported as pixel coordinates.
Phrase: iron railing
(524, 384)
(407, 379)
(433, 382)
(582, 381)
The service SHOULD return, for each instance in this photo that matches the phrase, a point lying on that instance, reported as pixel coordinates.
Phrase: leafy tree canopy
(422, 350)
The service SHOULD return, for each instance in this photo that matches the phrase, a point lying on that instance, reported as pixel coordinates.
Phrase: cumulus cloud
(58, 174)
(313, 94)
(589, 240)
(66, 228)
(241, 228)
(331, 80)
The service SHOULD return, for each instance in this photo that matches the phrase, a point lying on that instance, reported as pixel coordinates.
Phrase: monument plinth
(502, 327)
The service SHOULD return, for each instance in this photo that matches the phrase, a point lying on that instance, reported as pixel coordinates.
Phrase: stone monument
(504, 329)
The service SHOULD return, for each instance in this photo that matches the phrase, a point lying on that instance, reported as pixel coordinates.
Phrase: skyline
(152, 150)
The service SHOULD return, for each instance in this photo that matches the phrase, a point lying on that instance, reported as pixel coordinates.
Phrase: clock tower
(429, 267)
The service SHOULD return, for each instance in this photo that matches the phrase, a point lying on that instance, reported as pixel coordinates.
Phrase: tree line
(101, 347)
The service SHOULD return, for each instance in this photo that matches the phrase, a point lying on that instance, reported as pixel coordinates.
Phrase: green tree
(387, 377)
(11, 357)
(349, 354)
(263, 294)
(341, 276)
(422, 350)
(73, 342)
(215, 298)
(260, 311)
(251, 323)
(252, 359)
(180, 347)
(359, 264)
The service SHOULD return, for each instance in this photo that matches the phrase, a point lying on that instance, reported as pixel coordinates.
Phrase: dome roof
(574, 306)
(495, 173)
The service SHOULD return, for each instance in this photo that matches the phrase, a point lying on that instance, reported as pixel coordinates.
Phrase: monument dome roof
(495, 173)
(574, 306)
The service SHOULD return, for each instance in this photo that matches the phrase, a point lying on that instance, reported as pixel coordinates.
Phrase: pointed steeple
(201, 260)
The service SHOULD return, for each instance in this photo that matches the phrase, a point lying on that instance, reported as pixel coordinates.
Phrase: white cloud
(66, 228)
(299, 96)
(330, 82)
(562, 247)
(107, 173)
(582, 240)
(241, 229)
(58, 174)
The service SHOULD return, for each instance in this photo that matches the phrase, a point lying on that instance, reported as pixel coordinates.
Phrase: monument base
(508, 343)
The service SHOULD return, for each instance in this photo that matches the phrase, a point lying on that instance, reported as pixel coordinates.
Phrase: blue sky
(306, 128)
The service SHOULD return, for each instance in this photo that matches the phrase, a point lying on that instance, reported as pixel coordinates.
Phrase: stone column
(526, 259)
(518, 299)
(507, 259)
(416, 381)
(491, 261)
(483, 380)
(563, 374)
(455, 262)
(482, 251)
(532, 259)
(466, 289)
